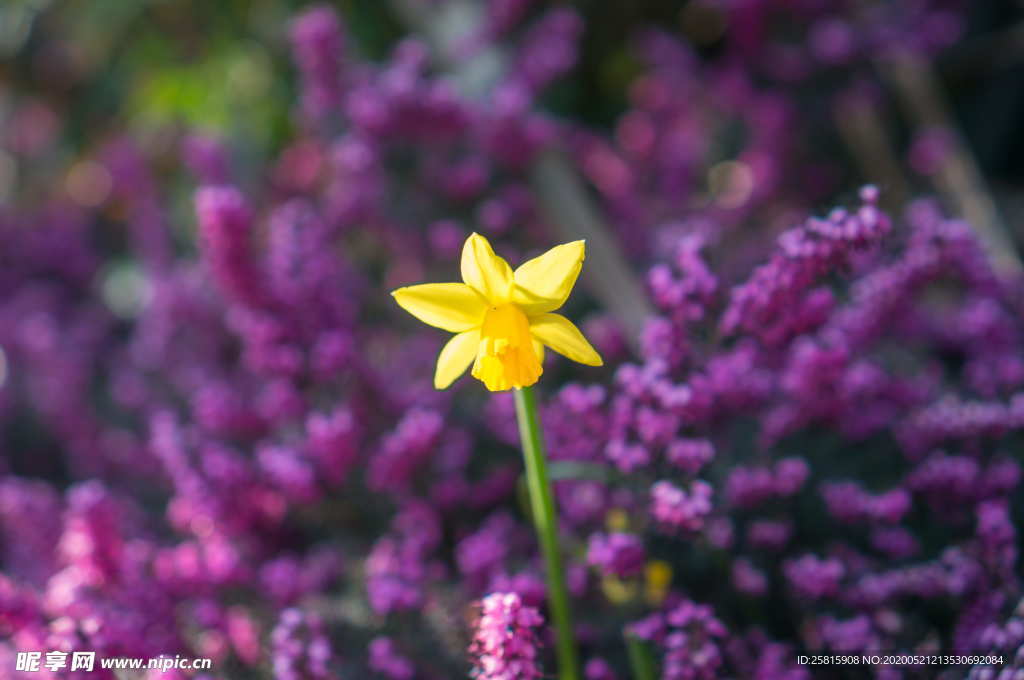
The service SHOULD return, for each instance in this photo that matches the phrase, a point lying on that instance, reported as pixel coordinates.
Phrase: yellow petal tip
(453, 307)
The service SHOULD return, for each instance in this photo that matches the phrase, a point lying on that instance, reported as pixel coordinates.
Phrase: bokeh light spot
(126, 291)
(88, 183)
(731, 183)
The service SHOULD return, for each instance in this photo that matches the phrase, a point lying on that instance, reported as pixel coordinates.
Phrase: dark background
(108, 66)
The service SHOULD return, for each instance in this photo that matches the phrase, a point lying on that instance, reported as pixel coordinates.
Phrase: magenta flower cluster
(689, 635)
(506, 641)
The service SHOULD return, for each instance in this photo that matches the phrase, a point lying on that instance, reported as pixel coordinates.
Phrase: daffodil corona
(502, 319)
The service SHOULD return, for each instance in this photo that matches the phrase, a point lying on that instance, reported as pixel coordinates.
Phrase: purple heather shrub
(748, 579)
(506, 643)
(680, 510)
(289, 472)
(627, 457)
(392, 580)
(548, 50)
(814, 578)
(318, 44)
(618, 554)
(18, 607)
(92, 538)
(1004, 639)
(690, 455)
(689, 636)
(287, 579)
(598, 669)
(769, 534)
(759, 657)
(28, 551)
(576, 427)
(850, 636)
(503, 15)
(530, 586)
(997, 538)
(404, 450)
(333, 442)
(301, 649)
(750, 487)
(772, 305)
(849, 503)
(399, 564)
(818, 420)
(225, 226)
(206, 159)
(897, 543)
(386, 660)
(480, 554)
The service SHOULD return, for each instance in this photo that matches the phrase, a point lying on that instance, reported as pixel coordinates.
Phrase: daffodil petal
(484, 271)
(456, 356)
(561, 335)
(454, 307)
(544, 283)
(538, 349)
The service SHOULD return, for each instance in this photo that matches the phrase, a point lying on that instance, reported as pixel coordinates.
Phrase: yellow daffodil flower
(502, 319)
(657, 580)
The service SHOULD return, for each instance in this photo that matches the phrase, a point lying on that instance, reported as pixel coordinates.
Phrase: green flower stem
(544, 518)
(640, 658)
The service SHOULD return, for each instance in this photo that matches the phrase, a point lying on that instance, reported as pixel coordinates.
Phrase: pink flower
(506, 640)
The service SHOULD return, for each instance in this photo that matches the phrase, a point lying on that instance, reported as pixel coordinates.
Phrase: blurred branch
(564, 201)
(999, 49)
(865, 137)
(959, 176)
(561, 193)
(443, 26)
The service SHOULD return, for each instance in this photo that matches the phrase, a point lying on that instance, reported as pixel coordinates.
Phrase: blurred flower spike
(502, 319)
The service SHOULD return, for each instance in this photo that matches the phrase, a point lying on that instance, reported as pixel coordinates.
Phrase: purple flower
(225, 223)
(770, 302)
(848, 503)
(404, 450)
(333, 441)
(852, 636)
(206, 158)
(688, 634)
(619, 554)
(814, 578)
(318, 43)
(677, 510)
(690, 455)
(483, 552)
(627, 457)
(301, 650)
(598, 669)
(769, 534)
(388, 661)
(748, 579)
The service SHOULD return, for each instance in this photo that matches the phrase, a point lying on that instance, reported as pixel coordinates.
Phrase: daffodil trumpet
(503, 320)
